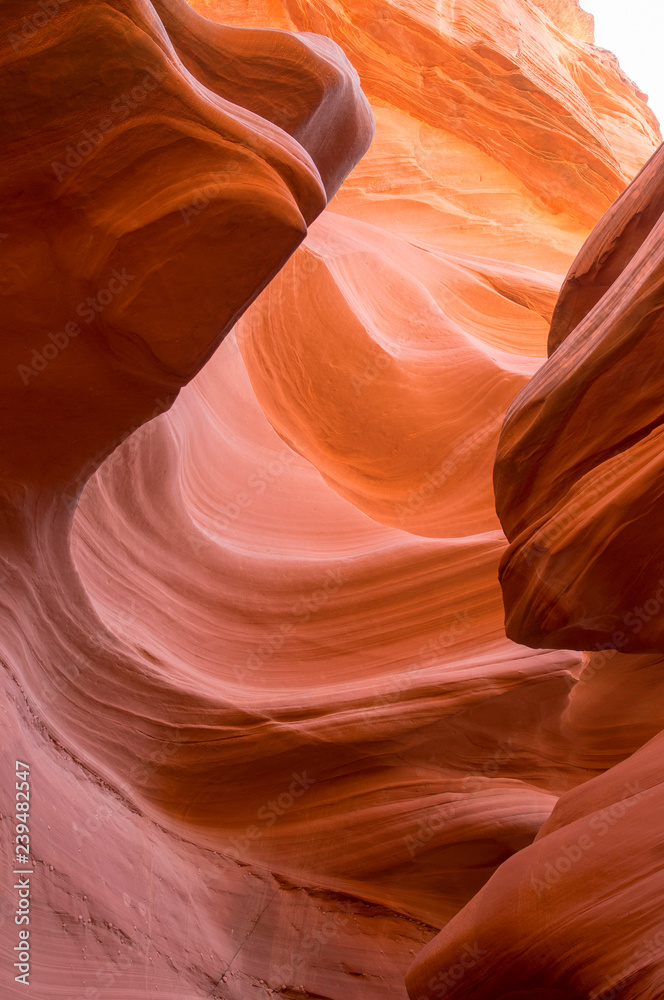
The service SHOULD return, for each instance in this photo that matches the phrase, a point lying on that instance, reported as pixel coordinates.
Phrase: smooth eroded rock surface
(278, 736)
(578, 482)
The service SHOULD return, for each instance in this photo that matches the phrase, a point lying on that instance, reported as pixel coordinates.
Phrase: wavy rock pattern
(267, 670)
(603, 340)
(577, 914)
(574, 915)
(113, 144)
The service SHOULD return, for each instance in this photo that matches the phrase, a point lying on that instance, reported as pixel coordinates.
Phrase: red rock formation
(270, 678)
(114, 146)
(586, 444)
(576, 914)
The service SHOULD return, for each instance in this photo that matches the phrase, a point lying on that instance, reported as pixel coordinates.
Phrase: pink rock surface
(278, 736)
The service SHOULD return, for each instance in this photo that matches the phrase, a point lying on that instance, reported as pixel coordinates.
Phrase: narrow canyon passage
(306, 708)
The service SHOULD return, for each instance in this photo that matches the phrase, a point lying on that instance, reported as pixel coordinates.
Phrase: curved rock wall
(268, 670)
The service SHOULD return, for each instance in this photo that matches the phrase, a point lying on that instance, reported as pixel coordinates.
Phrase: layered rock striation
(592, 479)
(266, 666)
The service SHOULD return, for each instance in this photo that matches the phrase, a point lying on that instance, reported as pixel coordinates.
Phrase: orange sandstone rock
(266, 668)
(577, 484)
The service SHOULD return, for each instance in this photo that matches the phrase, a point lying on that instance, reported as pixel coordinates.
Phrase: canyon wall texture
(279, 741)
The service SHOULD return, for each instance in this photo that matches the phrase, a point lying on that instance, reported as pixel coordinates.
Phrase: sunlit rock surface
(578, 913)
(268, 672)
